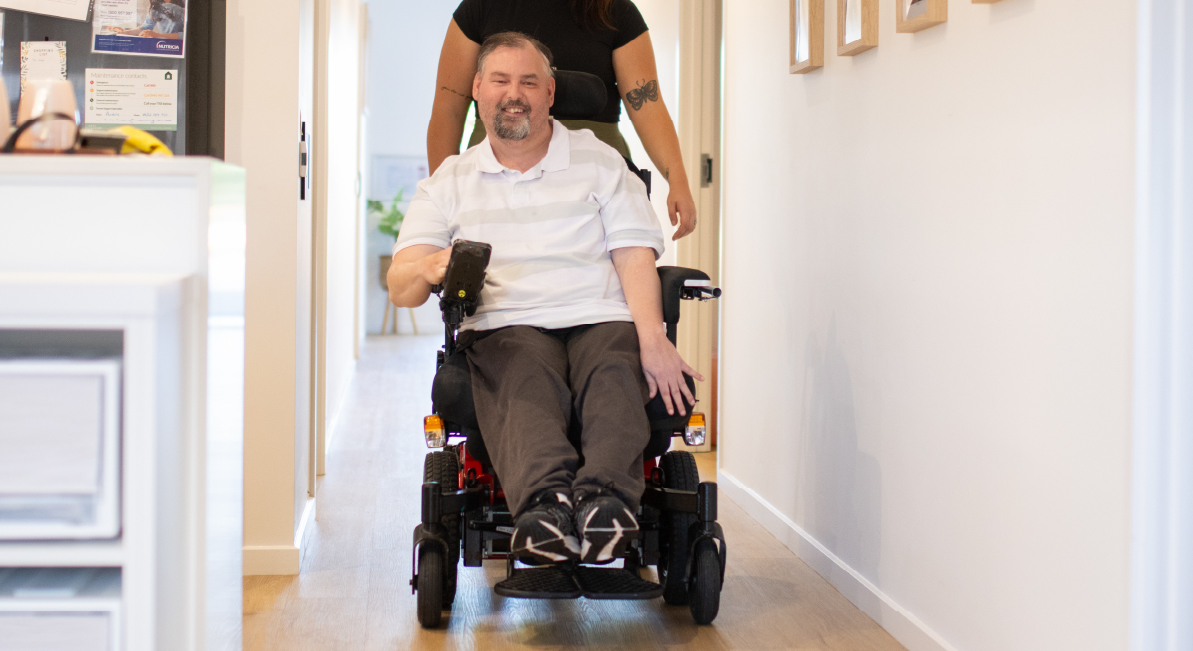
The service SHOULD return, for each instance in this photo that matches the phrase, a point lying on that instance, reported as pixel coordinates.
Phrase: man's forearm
(407, 276)
(640, 281)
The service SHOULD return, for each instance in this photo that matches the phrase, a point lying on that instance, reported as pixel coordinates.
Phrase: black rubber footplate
(615, 583)
(539, 583)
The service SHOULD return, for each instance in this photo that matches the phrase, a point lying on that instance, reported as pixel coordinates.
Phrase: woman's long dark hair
(594, 14)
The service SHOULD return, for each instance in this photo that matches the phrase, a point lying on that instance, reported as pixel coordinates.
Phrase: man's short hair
(515, 40)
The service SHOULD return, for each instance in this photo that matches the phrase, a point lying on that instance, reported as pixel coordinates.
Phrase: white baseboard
(270, 560)
(901, 624)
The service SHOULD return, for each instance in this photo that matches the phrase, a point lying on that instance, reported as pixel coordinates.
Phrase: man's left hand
(664, 370)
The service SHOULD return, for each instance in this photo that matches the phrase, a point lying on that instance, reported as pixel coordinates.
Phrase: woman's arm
(638, 80)
(453, 96)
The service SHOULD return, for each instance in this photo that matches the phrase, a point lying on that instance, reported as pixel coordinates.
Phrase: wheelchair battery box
(465, 276)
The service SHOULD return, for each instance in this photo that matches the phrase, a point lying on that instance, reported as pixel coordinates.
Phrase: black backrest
(578, 95)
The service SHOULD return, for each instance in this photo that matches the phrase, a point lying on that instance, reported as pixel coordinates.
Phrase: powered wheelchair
(464, 512)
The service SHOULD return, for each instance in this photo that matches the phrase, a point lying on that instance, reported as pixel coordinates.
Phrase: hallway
(353, 590)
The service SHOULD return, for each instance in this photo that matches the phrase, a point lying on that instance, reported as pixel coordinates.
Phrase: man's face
(514, 92)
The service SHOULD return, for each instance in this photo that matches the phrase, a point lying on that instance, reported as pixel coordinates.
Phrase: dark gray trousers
(528, 382)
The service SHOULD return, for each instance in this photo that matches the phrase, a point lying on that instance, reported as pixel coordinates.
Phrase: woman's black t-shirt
(552, 22)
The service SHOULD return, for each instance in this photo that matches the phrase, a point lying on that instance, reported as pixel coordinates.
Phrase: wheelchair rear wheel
(430, 585)
(704, 591)
(679, 473)
(444, 467)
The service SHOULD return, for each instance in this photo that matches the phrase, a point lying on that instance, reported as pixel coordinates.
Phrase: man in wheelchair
(569, 320)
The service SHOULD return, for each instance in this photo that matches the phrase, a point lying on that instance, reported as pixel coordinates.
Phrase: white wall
(339, 169)
(263, 102)
(927, 316)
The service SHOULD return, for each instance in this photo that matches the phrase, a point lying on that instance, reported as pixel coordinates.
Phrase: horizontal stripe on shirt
(552, 229)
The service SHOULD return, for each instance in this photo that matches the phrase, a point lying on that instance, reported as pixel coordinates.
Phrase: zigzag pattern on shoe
(605, 526)
(544, 532)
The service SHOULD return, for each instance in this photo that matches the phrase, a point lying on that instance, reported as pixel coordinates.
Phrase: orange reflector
(431, 423)
(696, 420)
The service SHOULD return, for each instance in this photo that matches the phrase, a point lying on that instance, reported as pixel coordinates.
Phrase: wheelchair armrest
(680, 283)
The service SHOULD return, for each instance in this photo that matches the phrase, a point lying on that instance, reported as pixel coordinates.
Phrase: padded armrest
(672, 279)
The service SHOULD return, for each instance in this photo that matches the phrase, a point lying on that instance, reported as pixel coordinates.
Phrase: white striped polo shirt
(552, 229)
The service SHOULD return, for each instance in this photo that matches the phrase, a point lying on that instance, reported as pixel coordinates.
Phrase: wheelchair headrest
(578, 95)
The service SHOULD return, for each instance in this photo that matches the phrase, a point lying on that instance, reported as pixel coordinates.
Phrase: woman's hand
(664, 370)
(682, 208)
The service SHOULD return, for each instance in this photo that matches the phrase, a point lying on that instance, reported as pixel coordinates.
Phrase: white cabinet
(121, 396)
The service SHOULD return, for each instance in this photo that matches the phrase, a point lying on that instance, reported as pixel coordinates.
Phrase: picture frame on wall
(857, 26)
(807, 36)
(915, 15)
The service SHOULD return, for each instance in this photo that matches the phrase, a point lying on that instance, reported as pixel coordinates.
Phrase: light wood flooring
(353, 592)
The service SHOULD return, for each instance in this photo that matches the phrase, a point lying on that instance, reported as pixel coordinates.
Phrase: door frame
(699, 129)
(1162, 461)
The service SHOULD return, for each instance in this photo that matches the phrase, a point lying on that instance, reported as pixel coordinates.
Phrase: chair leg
(385, 320)
(412, 321)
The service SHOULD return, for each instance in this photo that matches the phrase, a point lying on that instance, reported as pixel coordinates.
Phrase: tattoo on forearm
(468, 97)
(648, 92)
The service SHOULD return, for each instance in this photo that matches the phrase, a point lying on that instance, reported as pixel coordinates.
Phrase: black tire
(704, 592)
(680, 473)
(444, 467)
(430, 585)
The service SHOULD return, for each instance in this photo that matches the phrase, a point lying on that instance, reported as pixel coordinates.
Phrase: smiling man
(569, 324)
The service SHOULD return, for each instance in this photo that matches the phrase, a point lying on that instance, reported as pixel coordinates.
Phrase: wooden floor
(353, 592)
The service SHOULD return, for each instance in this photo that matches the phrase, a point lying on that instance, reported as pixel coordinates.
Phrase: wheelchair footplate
(571, 581)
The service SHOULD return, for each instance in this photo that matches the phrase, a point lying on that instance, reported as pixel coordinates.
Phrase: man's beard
(508, 127)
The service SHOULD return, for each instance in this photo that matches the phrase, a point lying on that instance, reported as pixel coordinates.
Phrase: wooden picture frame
(924, 14)
(865, 13)
(807, 29)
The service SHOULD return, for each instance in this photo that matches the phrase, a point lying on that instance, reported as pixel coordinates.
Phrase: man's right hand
(433, 267)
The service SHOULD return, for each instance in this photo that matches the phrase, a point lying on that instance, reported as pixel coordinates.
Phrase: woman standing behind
(607, 38)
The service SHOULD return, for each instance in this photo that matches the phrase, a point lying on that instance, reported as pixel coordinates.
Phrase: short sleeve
(469, 18)
(629, 22)
(424, 223)
(628, 217)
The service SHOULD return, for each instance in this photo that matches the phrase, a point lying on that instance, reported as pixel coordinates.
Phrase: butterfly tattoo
(643, 94)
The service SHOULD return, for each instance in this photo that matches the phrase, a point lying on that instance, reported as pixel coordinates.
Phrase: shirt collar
(558, 158)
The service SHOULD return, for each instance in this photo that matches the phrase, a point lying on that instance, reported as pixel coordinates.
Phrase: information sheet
(136, 27)
(145, 99)
(72, 9)
(42, 60)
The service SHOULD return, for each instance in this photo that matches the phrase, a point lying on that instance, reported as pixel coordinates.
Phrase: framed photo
(807, 36)
(857, 26)
(914, 15)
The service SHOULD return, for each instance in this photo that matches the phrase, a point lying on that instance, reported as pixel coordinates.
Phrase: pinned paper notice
(42, 60)
(146, 99)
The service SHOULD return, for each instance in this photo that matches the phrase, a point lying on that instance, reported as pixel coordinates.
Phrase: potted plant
(389, 223)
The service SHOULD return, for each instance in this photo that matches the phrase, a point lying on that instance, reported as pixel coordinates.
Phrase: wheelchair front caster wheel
(430, 585)
(704, 587)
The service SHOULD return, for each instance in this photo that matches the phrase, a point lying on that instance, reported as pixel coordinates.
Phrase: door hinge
(705, 170)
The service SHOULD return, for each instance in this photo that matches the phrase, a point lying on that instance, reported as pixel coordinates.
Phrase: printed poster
(140, 27)
(42, 60)
(145, 99)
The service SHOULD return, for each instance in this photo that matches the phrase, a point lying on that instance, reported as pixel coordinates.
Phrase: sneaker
(605, 526)
(544, 532)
